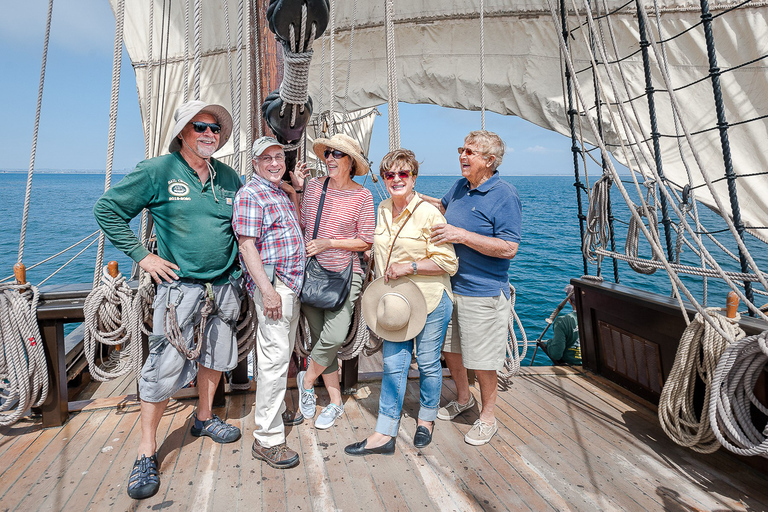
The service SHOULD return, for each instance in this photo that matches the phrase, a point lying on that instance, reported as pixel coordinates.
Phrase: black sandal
(144, 481)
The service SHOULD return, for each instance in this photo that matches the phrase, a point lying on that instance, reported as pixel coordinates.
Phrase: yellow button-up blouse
(413, 244)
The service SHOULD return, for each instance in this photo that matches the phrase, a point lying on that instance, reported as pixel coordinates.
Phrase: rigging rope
(198, 14)
(514, 358)
(696, 359)
(23, 372)
(732, 394)
(633, 240)
(33, 151)
(482, 65)
(392, 97)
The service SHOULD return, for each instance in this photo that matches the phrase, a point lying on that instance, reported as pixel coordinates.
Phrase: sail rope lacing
(696, 359)
(23, 371)
(733, 396)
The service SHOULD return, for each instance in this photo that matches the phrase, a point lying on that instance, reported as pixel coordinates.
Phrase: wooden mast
(270, 60)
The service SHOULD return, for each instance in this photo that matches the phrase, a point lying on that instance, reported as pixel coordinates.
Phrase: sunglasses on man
(200, 127)
(335, 152)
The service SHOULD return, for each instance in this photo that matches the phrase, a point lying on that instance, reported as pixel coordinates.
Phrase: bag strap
(320, 208)
(410, 214)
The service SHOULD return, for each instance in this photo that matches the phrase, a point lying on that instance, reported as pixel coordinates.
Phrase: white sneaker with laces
(307, 399)
(328, 416)
(454, 408)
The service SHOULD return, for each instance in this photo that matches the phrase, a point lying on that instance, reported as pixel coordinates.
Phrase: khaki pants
(274, 345)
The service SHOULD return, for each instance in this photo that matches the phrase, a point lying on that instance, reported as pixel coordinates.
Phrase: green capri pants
(329, 329)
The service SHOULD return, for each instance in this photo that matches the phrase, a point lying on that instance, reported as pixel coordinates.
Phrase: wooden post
(20, 272)
(112, 268)
(56, 406)
(271, 60)
(731, 305)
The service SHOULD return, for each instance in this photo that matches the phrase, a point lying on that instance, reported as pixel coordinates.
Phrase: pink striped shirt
(347, 214)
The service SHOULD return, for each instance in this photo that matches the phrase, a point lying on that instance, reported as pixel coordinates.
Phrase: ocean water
(549, 256)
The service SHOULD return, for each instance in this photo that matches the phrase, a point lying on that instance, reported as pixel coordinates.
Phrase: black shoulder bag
(324, 288)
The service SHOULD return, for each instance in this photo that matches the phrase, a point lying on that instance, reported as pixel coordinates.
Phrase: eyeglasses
(469, 151)
(389, 176)
(200, 127)
(335, 152)
(279, 158)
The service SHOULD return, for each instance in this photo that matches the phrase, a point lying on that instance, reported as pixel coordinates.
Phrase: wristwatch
(414, 267)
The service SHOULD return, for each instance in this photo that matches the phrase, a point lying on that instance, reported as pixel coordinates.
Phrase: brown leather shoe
(279, 457)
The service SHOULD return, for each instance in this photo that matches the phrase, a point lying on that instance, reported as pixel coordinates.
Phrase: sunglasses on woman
(335, 152)
(389, 176)
(200, 127)
(468, 151)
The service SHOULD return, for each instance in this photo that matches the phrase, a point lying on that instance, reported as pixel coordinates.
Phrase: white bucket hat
(190, 109)
(345, 144)
(394, 310)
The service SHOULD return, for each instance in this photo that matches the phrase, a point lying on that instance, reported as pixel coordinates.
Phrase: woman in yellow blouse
(429, 267)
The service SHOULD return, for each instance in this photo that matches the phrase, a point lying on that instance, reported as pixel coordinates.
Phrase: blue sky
(75, 110)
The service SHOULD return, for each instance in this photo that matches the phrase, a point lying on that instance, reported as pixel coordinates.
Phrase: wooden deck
(567, 441)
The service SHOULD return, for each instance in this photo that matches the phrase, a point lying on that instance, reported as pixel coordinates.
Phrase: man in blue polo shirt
(484, 216)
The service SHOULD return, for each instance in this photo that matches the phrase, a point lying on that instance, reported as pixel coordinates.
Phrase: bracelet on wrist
(299, 191)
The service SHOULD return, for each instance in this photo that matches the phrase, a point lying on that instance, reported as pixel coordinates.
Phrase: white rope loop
(732, 394)
(23, 370)
(633, 239)
(515, 356)
(700, 349)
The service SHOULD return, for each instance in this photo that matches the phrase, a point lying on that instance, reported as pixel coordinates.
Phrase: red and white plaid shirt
(264, 212)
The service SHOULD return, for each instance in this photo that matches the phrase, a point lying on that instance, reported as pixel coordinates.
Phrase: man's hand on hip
(159, 268)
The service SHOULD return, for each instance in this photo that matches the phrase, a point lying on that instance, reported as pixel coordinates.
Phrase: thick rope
(597, 229)
(733, 394)
(33, 151)
(23, 370)
(117, 58)
(110, 321)
(482, 65)
(393, 98)
(198, 22)
(697, 356)
(174, 331)
(514, 355)
(247, 327)
(238, 86)
(186, 50)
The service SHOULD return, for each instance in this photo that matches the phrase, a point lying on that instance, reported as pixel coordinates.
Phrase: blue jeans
(397, 360)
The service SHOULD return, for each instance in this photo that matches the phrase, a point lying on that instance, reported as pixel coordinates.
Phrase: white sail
(438, 54)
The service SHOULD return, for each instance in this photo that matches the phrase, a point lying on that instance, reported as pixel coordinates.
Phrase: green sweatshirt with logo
(564, 346)
(193, 220)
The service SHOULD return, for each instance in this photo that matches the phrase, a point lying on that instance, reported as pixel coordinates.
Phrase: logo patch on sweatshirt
(178, 188)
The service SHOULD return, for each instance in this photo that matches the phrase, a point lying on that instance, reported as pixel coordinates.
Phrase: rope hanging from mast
(393, 97)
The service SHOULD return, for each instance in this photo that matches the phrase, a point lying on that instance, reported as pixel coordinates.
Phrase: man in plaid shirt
(266, 223)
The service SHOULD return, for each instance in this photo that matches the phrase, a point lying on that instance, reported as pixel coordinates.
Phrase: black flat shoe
(422, 437)
(387, 448)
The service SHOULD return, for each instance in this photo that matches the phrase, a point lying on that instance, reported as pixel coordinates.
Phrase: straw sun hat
(190, 109)
(346, 144)
(394, 310)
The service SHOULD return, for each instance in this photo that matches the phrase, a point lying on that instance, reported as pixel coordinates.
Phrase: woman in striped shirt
(346, 228)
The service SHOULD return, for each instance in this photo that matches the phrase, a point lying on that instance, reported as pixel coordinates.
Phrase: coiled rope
(597, 228)
(700, 349)
(115, 317)
(732, 393)
(246, 327)
(633, 239)
(23, 374)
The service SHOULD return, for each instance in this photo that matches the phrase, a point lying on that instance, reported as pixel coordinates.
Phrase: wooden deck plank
(566, 441)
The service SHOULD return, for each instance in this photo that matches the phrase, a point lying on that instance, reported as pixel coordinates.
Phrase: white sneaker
(328, 416)
(454, 408)
(307, 400)
(480, 433)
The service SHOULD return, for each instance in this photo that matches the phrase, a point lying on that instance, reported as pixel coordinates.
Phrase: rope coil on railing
(111, 320)
(733, 393)
(597, 229)
(23, 373)
(700, 349)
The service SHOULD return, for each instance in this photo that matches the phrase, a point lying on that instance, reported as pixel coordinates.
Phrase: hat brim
(321, 144)
(415, 298)
(222, 117)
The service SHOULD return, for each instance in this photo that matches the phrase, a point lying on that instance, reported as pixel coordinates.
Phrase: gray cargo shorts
(166, 371)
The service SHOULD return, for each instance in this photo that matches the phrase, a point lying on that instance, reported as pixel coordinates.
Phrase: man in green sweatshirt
(190, 196)
(564, 347)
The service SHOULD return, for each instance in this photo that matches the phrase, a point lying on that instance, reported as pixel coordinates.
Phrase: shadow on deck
(567, 441)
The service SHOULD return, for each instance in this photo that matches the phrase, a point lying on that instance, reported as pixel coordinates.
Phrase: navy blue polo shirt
(493, 209)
